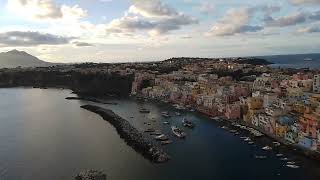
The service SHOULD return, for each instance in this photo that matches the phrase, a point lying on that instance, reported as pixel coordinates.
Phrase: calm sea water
(45, 137)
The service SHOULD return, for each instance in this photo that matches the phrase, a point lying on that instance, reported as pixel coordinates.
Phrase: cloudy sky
(140, 30)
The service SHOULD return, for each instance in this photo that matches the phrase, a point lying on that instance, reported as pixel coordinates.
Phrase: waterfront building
(233, 111)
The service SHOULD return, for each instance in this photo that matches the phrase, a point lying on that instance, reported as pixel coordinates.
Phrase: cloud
(315, 16)
(313, 29)
(235, 21)
(45, 10)
(289, 20)
(152, 16)
(304, 2)
(20, 38)
(82, 44)
(206, 7)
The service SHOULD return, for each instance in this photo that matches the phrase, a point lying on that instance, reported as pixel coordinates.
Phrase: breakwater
(131, 135)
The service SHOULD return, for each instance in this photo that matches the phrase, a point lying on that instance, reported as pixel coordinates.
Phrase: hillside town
(281, 104)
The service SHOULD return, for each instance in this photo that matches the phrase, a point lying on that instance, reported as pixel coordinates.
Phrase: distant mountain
(15, 58)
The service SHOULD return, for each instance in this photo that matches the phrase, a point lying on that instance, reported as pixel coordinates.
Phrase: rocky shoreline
(131, 135)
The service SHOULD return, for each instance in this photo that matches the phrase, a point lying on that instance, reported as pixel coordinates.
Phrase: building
(316, 83)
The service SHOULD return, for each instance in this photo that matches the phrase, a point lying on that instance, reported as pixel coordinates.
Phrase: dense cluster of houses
(283, 106)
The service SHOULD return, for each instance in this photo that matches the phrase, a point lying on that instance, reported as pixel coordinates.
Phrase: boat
(260, 157)
(187, 123)
(267, 148)
(156, 133)
(275, 143)
(291, 162)
(178, 132)
(165, 114)
(166, 122)
(292, 166)
(284, 159)
(161, 137)
(178, 114)
(166, 142)
(192, 110)
(143, 110)
(279, 155)
(149, 131)
(250, 142)
(247, 139)
(233, 131)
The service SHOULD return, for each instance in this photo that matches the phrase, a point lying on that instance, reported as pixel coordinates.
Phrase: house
(308, 143)
(233, 111)
(291, 136)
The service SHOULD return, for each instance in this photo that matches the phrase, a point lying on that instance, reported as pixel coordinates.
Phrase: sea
(311, 61)
(46, 137)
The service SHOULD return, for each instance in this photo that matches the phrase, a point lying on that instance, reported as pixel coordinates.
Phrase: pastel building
(316, 83)
(233, 111)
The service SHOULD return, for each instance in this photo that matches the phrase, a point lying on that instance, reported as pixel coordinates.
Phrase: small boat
(224, 127)
(166, 142)
(260, 157)
(178, 132)
(149, 130)
(284, 159)
(237, 133)
(291, 162)
(178, 114)
(187, 123)
(165, 114)
(279, 155)
(233, 131)
(243, 137)
(267, 148)
(250, 142)
(275, 143)
(161, 137)
(143, 110)
(192, 110)
(292, 166)
(156, 133)
(247, 139)
(166, 122)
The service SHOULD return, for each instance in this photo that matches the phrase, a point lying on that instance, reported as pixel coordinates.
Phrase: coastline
(131, 135)
(267, 139)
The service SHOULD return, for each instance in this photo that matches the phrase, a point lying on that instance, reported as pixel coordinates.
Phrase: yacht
(178, 132)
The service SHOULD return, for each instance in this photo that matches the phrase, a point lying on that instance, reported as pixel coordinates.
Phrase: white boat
(291, 162)
(275, 143)
(178, 114)
(165, 114)
(247, 139)
(161, 137)
(267, 148)
(166, 122)
(279, 155)
(292, 166)
(178, 132)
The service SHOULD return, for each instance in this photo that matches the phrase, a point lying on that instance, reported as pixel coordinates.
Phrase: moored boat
(267, 148)
(292, 166)
(178, 132)
(143, 110)
(187, 123)
(165, 114)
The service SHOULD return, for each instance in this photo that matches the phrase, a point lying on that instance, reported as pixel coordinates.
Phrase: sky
(149, 30)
